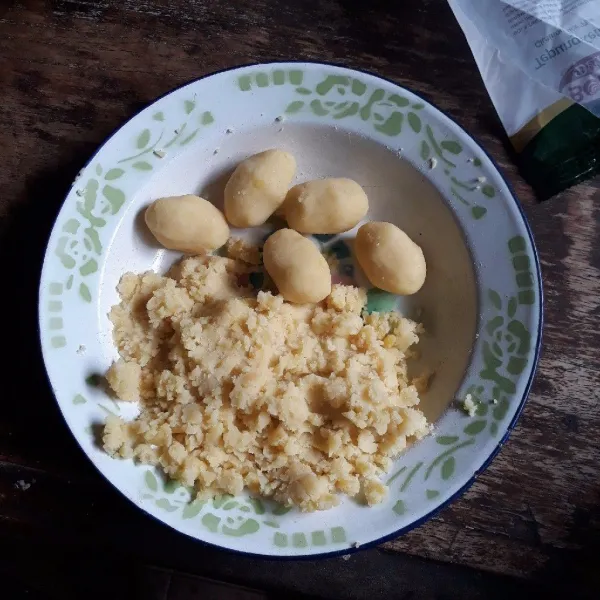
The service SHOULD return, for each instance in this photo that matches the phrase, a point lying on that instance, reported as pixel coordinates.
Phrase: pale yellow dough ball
(298, 269)
(187, 223)
(257, 187)
(329, 205)
(390, 259)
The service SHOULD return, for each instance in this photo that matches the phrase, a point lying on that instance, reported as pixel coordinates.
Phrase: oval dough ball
(390, 259)
(298, 269)
(187, 223)
(325, 206)
(257, 187)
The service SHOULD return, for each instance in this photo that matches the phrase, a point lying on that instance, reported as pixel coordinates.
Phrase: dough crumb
(469, 405)
(239, 249)
(422, 382)
(124, 379)
(23, 485)
(241, 390)
(375, 491)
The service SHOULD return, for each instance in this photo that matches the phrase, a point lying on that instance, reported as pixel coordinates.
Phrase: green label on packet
(564, 151)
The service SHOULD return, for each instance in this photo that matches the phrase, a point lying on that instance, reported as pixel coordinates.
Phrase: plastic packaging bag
(540, 62)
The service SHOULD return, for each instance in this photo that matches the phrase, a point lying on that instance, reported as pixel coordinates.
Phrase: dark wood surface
(71, 71)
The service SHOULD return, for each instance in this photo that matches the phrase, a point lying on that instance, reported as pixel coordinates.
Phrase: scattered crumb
(229, 130)
(176, 131)
(216, 151)
(23, 485)
(280, 129)
(347, 557)
(494, 400)
(356, 544)
(279, 119)
(81, 349)
(470, 160)
(432, 162)
(79, 192)
(481, 179)
(469, 405)
(159, 153)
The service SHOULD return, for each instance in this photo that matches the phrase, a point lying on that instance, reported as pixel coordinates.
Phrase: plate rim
(535, 353)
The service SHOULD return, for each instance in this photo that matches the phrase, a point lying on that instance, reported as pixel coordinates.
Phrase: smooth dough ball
(257, 187)
(298, 269)
(187, 223)
(325, 205)
(390, 259)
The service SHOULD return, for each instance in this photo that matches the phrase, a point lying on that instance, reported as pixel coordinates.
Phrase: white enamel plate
(481, 305)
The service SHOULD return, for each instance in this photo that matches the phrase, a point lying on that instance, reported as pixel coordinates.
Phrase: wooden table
(73, 70)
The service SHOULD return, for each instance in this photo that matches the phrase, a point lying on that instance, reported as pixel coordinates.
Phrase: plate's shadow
(214, 190)
(142, 230)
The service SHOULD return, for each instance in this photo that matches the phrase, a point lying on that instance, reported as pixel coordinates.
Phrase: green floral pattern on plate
(235, 517)
(100, 198)
(506, 351)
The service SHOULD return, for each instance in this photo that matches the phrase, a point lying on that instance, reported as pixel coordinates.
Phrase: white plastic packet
(540, 62)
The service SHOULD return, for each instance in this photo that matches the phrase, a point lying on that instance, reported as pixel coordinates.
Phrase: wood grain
(72, 71)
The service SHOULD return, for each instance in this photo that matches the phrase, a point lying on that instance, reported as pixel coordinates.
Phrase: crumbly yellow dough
(124, 378)
(241, 250)
(239, 390)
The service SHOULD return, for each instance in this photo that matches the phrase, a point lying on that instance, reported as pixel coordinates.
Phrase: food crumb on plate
(469, 405)
(23, 485)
